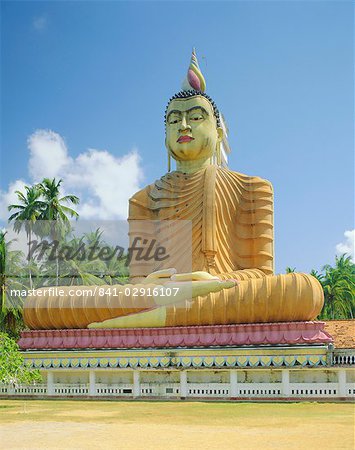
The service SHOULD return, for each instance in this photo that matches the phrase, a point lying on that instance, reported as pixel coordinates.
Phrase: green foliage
(80, 270)
(338, 284)
(42, 202)
(53, 204)
(13, 370)
(2, 268)
(10, 309)
(28, 211)
(339, 289)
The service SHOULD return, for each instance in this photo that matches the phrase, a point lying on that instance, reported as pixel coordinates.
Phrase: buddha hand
(184, 286)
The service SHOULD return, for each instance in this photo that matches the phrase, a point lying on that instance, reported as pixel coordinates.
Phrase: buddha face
(191, 129)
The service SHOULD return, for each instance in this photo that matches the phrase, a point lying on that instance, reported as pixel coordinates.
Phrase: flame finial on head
(194, 78)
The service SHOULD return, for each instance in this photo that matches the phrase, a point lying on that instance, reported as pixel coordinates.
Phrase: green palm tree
(11, 265)
(2, 270)
(54, 208)
(339, 289)
(317, 275)
(94, 238)
(55, 211)
(344, 264)
(78, 270)
(114, 270)
(28, 212)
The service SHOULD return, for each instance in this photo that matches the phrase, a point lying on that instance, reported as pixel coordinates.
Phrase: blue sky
(97, 75)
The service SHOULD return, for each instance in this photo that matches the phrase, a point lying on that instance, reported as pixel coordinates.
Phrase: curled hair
(193, 93)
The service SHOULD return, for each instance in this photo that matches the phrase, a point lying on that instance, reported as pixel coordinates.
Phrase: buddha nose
(184, 125)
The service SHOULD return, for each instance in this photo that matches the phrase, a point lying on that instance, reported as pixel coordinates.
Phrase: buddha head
(192, 121)
(193, 130)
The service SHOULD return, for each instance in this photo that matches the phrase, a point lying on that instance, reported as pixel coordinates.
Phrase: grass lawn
(62, 424)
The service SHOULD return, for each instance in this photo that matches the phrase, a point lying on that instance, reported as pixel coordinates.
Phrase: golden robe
(231, 214)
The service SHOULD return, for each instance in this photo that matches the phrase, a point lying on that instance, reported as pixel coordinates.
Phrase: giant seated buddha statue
(231, 215)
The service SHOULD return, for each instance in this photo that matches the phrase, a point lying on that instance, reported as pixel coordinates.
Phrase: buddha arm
(242, 275)
(250, 227)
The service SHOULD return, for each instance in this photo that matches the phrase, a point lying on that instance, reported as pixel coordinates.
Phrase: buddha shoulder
(247, 182)
(142, 201)
(141, 197)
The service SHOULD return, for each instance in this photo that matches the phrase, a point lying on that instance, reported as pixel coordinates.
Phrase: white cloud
(102, 181)
(348, 245)
(48, 155)
(9, 197)
(110, 181)
(40, 23)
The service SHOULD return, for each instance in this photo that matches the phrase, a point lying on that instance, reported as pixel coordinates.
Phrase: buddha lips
(183, 139)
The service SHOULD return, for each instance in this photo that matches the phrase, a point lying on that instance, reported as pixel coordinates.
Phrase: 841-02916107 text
(138, 291)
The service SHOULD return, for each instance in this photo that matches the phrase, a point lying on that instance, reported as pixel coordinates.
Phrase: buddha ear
(220, 133)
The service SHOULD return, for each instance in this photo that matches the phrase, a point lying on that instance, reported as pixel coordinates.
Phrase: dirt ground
(61, 424)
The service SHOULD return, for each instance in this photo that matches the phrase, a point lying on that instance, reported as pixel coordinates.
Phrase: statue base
(283, 333)
(271, 361)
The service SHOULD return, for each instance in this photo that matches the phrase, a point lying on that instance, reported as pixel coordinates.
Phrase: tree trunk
(30, 258)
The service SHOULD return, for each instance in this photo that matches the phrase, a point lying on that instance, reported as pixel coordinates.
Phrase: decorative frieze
(180, 359)
(284, 333)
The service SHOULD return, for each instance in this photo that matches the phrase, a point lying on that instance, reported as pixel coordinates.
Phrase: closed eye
(173, 121)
